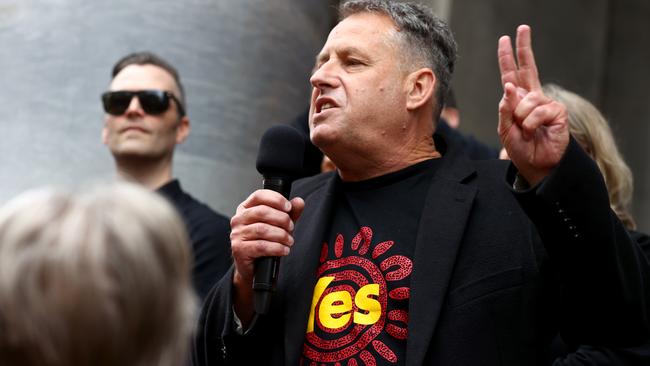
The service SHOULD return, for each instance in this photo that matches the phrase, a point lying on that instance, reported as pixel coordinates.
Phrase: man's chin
(323, 136)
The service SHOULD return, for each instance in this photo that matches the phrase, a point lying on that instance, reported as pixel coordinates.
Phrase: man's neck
(370, 166)
(372, 170)
(152, 174)
(408, 142)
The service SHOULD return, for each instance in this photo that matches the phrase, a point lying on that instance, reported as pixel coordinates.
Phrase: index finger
(269, 198)
(527, 68)
(507, 65)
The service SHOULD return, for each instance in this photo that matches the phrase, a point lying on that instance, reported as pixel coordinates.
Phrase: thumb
(297, 206)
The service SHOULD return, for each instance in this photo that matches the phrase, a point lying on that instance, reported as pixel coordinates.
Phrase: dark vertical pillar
(625, 94)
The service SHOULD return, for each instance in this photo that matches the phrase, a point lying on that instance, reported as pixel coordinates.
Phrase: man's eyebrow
(320, 58)
(345, 51)
(351, 50)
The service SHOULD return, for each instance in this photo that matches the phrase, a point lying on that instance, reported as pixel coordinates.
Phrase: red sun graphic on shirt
(348, 310)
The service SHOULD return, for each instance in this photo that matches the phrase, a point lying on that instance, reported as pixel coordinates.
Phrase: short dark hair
(427, 38)
(150, 58)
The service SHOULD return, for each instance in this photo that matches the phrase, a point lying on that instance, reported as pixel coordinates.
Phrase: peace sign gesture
(532, 127)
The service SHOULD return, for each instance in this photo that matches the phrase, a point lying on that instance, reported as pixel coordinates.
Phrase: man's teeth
(326, 106)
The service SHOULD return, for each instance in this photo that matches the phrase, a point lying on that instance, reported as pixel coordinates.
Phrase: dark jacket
(484, 289)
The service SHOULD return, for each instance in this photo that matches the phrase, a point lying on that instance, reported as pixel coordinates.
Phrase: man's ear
(183, 129)
(420, 85)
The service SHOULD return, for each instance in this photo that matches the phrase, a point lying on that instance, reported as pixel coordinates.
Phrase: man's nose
(134, 108)
(325, 76)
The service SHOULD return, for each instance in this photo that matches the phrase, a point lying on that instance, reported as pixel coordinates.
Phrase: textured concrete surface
(244, 63)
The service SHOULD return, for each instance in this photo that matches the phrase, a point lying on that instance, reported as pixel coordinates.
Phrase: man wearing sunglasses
(145, 120)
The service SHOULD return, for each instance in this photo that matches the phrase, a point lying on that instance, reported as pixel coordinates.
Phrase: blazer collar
(300, 267)
(442, 224)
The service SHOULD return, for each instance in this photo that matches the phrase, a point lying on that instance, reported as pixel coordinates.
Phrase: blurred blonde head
(96, 278)
(588, 126)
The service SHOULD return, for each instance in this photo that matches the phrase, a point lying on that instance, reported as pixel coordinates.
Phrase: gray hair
(94, 278)
(426, 37)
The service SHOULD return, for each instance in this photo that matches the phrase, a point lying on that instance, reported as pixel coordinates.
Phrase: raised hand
(262, 227)
(533, 128)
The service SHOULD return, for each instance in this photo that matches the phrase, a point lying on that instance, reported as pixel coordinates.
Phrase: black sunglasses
(152, 101)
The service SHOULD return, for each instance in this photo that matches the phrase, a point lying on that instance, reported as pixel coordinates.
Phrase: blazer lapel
(444, 216)
(299, 270)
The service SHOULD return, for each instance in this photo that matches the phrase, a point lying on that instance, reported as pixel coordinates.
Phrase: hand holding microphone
(262, 227)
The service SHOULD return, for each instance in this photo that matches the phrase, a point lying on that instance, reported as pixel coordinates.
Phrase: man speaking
(410, 253)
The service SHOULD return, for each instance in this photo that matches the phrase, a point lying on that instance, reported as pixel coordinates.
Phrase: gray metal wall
(597, 48)
(244, 63)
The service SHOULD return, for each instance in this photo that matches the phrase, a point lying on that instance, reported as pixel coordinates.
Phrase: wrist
(533, 176)
(243, 298)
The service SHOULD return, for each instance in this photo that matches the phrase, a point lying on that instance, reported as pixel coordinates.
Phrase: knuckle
(236, 250)
(260, 230)
(535, 95)
(557, 105)
(241, 206)
(235, 233)
(234, 221)
(539, 112)
(260, 246)
(247, 215)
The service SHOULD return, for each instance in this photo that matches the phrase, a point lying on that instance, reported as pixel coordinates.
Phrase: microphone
(279, 160)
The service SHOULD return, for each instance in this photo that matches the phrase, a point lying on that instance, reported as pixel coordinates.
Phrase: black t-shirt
(359, 312)
(210, 236)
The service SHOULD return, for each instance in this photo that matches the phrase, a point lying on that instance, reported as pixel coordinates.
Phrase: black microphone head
(281, 152)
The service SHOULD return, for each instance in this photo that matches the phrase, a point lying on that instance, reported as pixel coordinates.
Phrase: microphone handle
(267, 268)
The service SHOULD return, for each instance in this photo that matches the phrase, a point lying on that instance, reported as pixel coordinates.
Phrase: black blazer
(484, 290)
(574, 355)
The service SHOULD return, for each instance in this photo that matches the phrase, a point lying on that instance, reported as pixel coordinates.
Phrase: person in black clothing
(145, 119)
